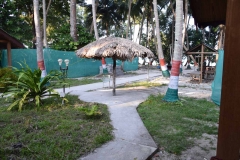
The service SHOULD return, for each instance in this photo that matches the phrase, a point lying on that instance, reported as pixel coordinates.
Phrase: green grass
(78, 82)
(52, 132)
(174, 125)
(141, 83)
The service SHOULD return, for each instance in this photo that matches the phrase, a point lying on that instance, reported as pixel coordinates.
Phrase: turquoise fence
(78, 67)
(217, 82)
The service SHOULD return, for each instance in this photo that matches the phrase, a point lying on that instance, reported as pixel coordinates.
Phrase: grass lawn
(52, 132)
(78, 82)
(174, 126)
(141, 83)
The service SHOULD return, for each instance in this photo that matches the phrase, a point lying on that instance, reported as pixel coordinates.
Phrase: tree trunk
(95, 27)
(34, 33)
(40, 59)
(172, 92)
(185, 20)
(141, 28)
(94, 19)
(128, 19)
(44, 25)
(73, 20)
(165, 71)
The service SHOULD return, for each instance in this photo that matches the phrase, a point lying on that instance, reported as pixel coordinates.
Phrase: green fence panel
(217, 82)
(21, 55)
(78, 67)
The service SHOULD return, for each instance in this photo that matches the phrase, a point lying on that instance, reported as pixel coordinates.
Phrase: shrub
(6, 75)
(30, 87)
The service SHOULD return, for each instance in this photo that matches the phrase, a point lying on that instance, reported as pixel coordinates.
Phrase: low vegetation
(174, 126)
(140, 83)
(53, 131)
(76, 82)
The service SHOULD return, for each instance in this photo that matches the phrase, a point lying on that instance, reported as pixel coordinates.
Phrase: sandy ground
(203, 148)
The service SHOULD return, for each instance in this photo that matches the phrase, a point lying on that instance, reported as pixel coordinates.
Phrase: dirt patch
(203, 149)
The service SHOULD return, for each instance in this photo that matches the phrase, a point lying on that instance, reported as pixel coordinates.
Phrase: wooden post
(228, 146)
(9, 56)
(201, 70)
(114, 75)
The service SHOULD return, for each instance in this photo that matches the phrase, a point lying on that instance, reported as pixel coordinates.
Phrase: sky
(88, 1)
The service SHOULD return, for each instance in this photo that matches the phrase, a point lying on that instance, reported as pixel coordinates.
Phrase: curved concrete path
(132, 140)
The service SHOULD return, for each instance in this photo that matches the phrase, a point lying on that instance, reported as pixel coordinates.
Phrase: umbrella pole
(114, 76)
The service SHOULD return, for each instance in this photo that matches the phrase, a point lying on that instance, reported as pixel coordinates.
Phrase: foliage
(108, 15)
(16, 17)
(6, 75)
(14, 23)
(91, 112)
(141, 84)
(62, 40)
(53, 132)
(76, 82)
(30, 87)
(175, 125)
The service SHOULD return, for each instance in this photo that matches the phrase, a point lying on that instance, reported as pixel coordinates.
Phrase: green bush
(62, 40)
(29, 87)
(6, 75)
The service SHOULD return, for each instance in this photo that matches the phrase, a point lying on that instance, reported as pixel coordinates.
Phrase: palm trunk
(94, 7)
(172, 92)
(73, 19)
(140, 33)
(185, 20)
(39, 46)
(165, 71)
(44, 25)
(128, 19)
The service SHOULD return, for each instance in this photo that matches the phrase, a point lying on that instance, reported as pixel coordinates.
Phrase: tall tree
(165, 71)
(39, 45)
(172, 92)
(44, 25)
(73, 20)
(128, 18)
(95, 28)
(94, 18)
(107, 15)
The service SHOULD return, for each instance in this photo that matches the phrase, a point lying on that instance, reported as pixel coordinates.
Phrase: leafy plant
(92, 111)
(6, 75)
(61, 39)
(30, 87)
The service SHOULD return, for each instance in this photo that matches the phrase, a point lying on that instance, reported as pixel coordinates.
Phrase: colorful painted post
(172, 92)
(41, 66)
(104, 63)
(164, 69)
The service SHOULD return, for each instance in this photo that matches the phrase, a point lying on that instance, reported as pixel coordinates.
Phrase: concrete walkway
(132, 140)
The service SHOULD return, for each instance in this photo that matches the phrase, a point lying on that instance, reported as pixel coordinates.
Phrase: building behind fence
(78, 67)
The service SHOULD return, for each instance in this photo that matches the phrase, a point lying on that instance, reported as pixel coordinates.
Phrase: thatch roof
(208, 12)
(5, 37)
(120, 48)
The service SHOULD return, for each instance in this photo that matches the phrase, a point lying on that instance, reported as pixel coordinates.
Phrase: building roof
(4, 36)
(208, 12)
(198, 48)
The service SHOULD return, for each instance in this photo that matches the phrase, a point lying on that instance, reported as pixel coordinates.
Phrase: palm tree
(106, 14)
(172, 92)
(39, 45)
(95, 28)
(165, 71)
(73, 19)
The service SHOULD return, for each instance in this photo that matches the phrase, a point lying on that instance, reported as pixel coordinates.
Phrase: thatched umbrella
(115, 47)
